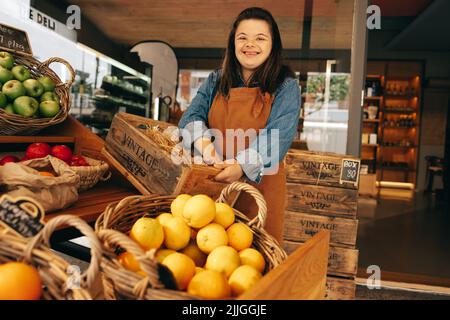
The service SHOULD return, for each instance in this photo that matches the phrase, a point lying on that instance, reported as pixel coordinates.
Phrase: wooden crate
(301, 226)
(150, 168)
(322, 200)
(341, 261)
(318, 168)
(340, 289)
(301, 277)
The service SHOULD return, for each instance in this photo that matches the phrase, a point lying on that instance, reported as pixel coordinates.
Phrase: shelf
(370, 145)
(391, 127)
(374, 76)
(404, 147)
(399, 97)
(33, 139)
(371, 121)
(373, 98)
(397, 168)
(399, 112)
(120, 91)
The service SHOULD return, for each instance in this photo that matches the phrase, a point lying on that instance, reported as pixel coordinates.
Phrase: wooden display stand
(318, 200)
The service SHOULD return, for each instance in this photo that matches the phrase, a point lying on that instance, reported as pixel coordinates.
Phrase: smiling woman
(253, 92)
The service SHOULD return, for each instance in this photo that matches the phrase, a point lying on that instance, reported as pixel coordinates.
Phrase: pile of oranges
(209, 254)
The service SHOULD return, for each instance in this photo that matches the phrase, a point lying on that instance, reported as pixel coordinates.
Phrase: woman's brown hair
(271, 73)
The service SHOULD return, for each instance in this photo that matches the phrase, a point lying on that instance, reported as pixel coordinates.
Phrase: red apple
(78, 161)
(37, 150)
(24, 158)
(62, 152)
(7, 159)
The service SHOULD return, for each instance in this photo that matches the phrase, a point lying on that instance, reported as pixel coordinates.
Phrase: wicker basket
(117, 220)
(11, 124)
(53, 269)
(90, 175)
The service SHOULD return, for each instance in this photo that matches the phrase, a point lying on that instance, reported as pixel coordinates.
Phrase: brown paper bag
(53, 193)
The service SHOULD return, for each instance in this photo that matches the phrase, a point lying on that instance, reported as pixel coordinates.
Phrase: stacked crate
(322, 193)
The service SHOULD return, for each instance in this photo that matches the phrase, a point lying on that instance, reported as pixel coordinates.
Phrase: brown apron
(248, 108)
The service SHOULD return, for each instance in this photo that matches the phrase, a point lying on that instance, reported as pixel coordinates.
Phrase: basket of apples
(91, 171)
(32, 96)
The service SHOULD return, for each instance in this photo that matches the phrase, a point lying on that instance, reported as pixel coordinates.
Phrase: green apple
(25, 106)
(3, 100)
(33, 88)
(13, 89)
(6, 60)
(48, 109)
(5, 75)
(49, 84)
(49, 96)
(21, 73)
(9, 109)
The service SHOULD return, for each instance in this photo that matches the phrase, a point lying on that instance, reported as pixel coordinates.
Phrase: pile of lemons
(209, 254)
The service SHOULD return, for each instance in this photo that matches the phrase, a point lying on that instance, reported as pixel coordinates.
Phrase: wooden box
(341, 261)
(322, 200)
(149, 167)
(301, 226)
(322, 169)
(340, 289)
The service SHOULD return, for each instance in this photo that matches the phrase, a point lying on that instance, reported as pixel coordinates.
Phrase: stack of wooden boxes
(322, 194)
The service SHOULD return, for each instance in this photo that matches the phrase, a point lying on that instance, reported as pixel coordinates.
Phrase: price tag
(23, 215)
(13, 39)
(350, 171)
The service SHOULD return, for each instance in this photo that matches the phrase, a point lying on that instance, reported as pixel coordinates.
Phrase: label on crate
(23, 215)
(350, 171)
(14, 39)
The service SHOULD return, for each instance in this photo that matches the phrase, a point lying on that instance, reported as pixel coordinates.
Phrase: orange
(240, 236)
(46, 174)
(209, 284)
(19, 281)
(148, 233)
(128, 261)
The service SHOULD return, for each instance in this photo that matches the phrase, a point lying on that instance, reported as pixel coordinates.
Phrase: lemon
(240, 236)
(242, 279)
(177, 205)
(148, 233)
(224, 215)
(193, 251)
(209, 284)
(199, 269)
(223, 259)
(199, 210)
(253, 258)
(163, 217)
(161, 254)
(177, 233)
(211, 237)
(182, 268)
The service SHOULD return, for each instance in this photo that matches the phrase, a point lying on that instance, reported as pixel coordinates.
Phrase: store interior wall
(434, 106)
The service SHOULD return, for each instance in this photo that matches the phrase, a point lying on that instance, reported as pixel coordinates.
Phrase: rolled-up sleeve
(270, 147)
(194, 121)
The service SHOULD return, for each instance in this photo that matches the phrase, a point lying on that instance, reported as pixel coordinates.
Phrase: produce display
(22, 95)
(209, 254)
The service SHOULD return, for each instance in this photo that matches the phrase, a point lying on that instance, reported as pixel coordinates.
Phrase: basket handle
(260, 219)
(89, 276)
(69, 82)
(106, 176)
(146, 260)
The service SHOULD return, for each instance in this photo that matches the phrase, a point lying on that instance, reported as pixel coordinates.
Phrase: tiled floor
(411, 237)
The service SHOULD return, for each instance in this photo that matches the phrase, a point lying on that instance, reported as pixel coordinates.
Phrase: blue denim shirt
(284, 116)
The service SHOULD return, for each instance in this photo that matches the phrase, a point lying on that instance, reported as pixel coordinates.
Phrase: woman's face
(253, 43)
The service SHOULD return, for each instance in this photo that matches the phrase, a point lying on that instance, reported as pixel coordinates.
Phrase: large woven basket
(11, 124)
(90, 175)
(56, 274)
(119, 217)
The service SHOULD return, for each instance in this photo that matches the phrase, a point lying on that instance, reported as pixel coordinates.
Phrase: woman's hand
(231, 173)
